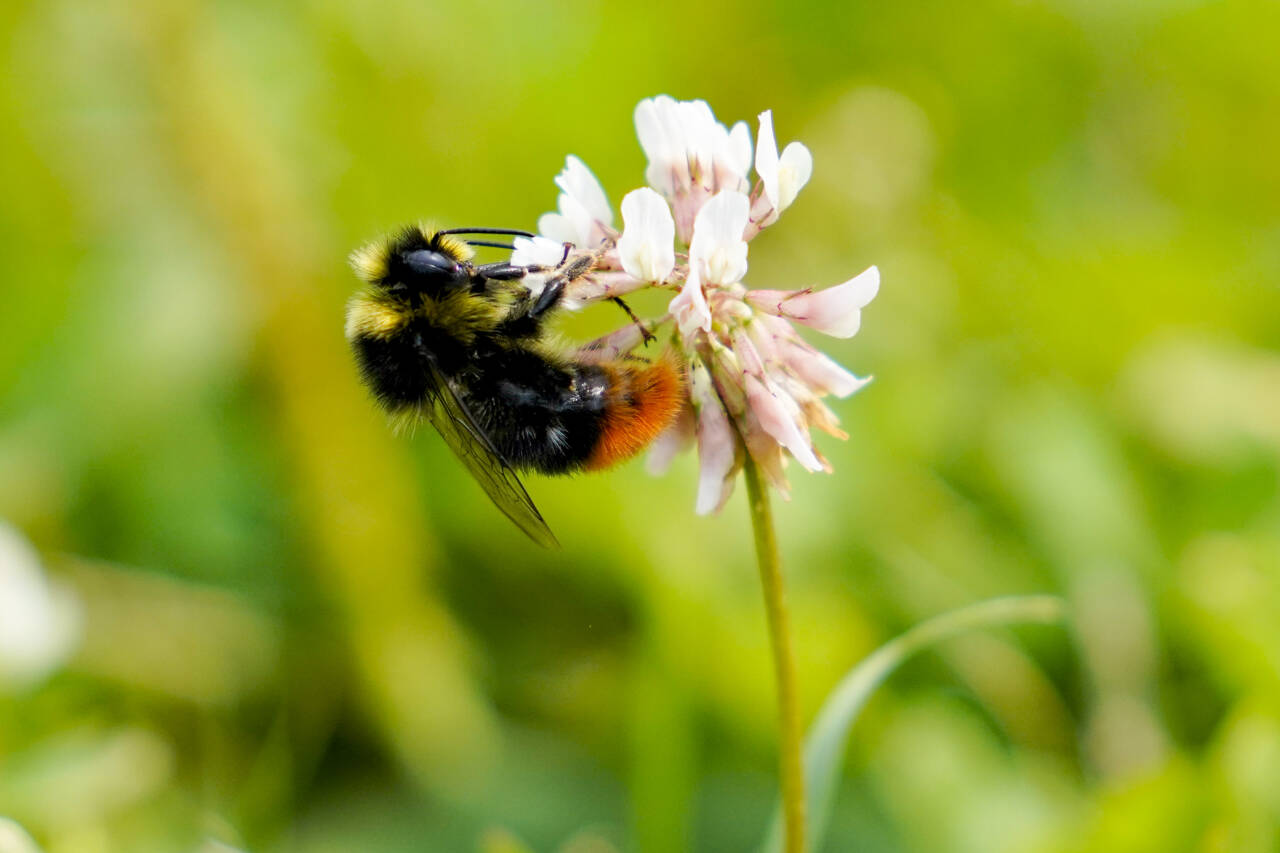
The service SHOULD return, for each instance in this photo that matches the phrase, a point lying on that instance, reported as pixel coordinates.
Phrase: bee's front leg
(501, 271)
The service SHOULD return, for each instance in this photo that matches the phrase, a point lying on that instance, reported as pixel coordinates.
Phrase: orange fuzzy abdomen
(644, 400)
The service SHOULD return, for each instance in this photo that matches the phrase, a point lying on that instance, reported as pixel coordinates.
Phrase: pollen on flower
(751, 385)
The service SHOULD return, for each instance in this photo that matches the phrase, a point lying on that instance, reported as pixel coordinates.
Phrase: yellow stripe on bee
(369, 317)
(461, 313)
(459, 250)
(370, 261)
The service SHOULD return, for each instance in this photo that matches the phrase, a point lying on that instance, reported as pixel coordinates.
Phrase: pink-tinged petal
(766, 452)
(618, 343)
(727, 372)
(685, 207)
(674, 440)
(603, 285)
(796, 408)
(765, 341)
(815, 413)
(578, 183)
(747, 354)
(717, 443)
(780, 328)
(837, 311)
(646, 247)
(779, 421)
(689, 307)
(819, 372)
(717, 248)
(762, 215)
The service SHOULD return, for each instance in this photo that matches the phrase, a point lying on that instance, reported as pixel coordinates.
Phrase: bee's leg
(649, 336)
(502, 271)
(525, 318)
(549, 296)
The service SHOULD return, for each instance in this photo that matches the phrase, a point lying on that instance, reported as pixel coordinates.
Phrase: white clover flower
(754, 385)
(39, 620)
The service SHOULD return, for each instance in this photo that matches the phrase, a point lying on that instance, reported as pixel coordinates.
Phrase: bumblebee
(464, 346)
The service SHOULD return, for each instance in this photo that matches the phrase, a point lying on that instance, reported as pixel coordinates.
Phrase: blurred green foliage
(304, 634)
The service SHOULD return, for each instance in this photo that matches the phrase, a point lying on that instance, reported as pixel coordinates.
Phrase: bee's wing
(450, 416)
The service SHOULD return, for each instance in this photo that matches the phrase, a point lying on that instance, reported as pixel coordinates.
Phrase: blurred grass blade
(826, 742)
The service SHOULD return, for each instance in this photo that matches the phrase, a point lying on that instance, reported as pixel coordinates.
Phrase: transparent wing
(450, 416)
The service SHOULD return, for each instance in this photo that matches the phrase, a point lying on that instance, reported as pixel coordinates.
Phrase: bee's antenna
(513, 232)
(488, 243)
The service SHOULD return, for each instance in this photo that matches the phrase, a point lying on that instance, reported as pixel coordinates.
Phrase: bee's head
(415, 262)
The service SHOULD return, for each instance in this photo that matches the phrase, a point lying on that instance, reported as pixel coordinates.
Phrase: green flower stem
(791, 769)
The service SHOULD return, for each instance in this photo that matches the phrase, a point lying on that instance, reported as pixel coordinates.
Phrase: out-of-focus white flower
(39, 620)
(585, 218)
(782, 177)
(14, 839)
(646, 248)
(818, 372)
(755, 386)
(837, 311)
(778, 415)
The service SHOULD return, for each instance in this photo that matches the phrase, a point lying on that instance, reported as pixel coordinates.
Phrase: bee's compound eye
(435, 265)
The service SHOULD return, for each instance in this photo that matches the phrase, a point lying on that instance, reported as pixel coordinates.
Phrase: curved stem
(790, 761)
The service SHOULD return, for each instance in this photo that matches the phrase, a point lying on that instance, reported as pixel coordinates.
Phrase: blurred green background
(301, 633)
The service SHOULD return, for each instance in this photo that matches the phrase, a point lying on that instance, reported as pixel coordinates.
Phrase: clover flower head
(755, 386)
